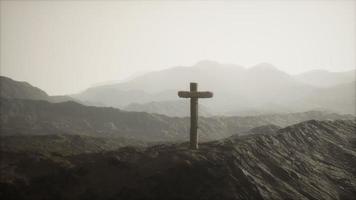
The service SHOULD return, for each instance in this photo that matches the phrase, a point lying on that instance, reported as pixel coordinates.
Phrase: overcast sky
(66, 46)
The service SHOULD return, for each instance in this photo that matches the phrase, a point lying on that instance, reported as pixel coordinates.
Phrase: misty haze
(178, 100)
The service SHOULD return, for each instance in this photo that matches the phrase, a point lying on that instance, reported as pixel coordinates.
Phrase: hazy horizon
(64, 47)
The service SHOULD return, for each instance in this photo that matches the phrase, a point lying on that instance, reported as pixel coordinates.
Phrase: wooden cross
(193, 94)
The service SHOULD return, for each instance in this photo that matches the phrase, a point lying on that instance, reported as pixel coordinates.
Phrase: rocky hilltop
(309, 160)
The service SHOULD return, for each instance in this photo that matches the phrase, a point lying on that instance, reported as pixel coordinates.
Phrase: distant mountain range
(310, 160)
(323, 78)
(262, 89)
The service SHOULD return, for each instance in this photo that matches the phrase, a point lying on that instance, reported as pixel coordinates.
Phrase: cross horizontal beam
(188, 94)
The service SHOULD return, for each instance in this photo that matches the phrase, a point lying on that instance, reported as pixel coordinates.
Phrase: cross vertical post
(194, 94)
(193, 117)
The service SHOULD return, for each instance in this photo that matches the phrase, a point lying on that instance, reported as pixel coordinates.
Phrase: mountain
(339, 98)
(34, 117)
(12, 89)
(323, 78)
(169, 108)
(20, 90)
(261, 89)
(233, 86)
(310, 160)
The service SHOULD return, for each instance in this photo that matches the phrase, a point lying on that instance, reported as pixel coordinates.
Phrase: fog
(67, 46)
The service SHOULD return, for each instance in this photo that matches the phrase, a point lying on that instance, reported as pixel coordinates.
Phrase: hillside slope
(310, 160)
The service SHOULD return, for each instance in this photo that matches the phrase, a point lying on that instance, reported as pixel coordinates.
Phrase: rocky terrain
(309, 160)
